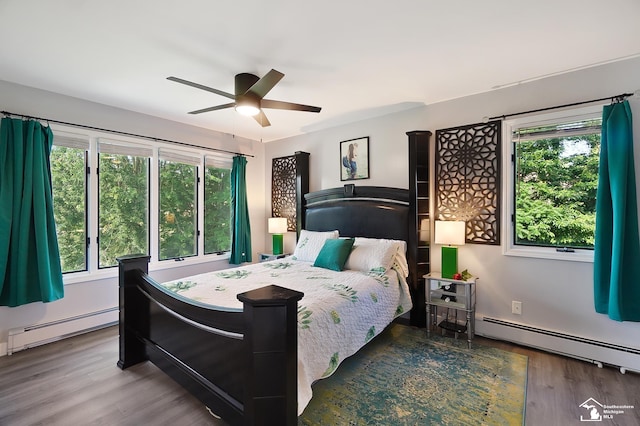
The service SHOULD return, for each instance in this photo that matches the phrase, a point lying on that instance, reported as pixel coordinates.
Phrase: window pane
(178, 207)
(556, 180)
(123, 207)
(68, 176)
(217, 210)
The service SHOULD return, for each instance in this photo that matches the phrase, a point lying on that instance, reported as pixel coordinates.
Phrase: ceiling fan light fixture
(247, 106)
(248, 110)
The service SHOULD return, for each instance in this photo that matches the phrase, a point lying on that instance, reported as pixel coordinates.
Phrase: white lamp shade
(451, 232)
(277, 225)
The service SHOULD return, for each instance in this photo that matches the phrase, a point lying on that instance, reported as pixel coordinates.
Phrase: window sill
(187, 261)
(112, 272)
(550, 253)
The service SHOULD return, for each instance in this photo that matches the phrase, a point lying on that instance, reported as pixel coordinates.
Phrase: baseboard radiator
(598, 352)
(39, 334)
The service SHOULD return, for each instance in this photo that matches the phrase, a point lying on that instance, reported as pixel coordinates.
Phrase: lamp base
(277, 244)
(449, 261)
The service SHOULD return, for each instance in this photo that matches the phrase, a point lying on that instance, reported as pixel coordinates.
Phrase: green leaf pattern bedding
(339, 313)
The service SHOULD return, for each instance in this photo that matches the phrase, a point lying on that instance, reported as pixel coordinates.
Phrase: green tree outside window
(123, 207)
(556, 179)
(68, 176)
(217, 210)
(178, 208)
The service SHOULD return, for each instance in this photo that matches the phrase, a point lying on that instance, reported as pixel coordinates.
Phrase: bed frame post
(271, 387)
(134, 310)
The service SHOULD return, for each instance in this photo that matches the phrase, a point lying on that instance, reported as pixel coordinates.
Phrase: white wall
(556, 295)
(388, 154)
(100, 292)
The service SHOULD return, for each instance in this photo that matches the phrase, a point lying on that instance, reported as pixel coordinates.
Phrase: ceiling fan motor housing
(243, 82)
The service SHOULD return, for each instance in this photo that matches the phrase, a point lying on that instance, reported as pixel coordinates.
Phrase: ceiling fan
(249, 96)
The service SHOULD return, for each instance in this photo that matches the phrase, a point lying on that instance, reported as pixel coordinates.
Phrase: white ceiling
(355, 59)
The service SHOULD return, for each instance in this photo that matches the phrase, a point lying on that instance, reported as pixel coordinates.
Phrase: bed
(248, 357)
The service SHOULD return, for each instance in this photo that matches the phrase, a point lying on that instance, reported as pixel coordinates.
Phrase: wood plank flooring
(557, 386)
(76, 382)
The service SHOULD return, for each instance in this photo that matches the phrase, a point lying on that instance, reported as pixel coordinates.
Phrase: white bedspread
(339, 313)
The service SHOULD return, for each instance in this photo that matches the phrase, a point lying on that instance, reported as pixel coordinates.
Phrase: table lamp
(277, 227)
(450, 233)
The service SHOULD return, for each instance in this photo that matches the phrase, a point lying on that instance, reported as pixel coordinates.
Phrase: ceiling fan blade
(268, 103)
(266, 83)
(213, 108)
(201, 87)
(262, 119)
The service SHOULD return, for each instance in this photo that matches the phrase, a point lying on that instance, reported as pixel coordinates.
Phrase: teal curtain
(241, 235)
(30, 268)
(617, 246)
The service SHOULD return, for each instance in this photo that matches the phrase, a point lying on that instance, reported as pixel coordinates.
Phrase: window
(178, 205)
(554, 184)
(108, 195)
(217, 205)
(123, 206)
(68, 177)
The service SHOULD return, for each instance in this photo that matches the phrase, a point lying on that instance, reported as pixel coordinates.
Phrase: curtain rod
(118, 132)
(617, 98)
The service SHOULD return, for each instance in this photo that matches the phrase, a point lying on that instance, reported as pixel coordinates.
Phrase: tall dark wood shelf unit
(418, 255)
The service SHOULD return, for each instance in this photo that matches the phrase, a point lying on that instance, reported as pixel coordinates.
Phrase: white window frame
(509, 248)
(119, 147)
(79, 141)
(190, 159)
(93, 272)
(217, 160)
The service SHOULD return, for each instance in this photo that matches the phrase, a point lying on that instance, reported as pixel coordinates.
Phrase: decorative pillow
(310, 243)
(374, 256)
(334, 254)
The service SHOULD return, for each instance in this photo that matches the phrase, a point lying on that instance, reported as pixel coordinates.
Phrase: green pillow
(334, 254)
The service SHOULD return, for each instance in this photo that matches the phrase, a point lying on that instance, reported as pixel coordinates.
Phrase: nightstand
(456, 298)
(264, 257)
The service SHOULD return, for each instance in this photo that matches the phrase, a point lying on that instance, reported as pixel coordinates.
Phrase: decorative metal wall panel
(283, 189)
(468, 179)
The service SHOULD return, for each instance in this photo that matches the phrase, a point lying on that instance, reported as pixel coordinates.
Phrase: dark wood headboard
(364, 211)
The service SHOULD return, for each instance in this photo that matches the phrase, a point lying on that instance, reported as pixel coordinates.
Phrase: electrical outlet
(516, 307)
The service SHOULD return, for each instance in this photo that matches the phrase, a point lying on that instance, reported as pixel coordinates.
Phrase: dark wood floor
(76, 382)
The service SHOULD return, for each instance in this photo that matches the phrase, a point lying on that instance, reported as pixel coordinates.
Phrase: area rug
(403, 378)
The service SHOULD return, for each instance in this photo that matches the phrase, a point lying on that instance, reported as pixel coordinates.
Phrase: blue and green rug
(403, 378)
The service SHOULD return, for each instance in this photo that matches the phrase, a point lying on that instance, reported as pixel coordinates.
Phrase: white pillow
(400, 263)
(310, 243)
(374, 255)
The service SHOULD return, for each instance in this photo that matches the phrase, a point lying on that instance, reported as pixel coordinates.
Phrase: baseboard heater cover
(598, 352)
(39, 334)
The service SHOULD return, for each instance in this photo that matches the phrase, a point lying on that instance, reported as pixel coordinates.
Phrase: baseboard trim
(39, 334)
(597, 352)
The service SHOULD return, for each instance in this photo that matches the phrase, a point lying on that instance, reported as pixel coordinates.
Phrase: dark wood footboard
(241, 363)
